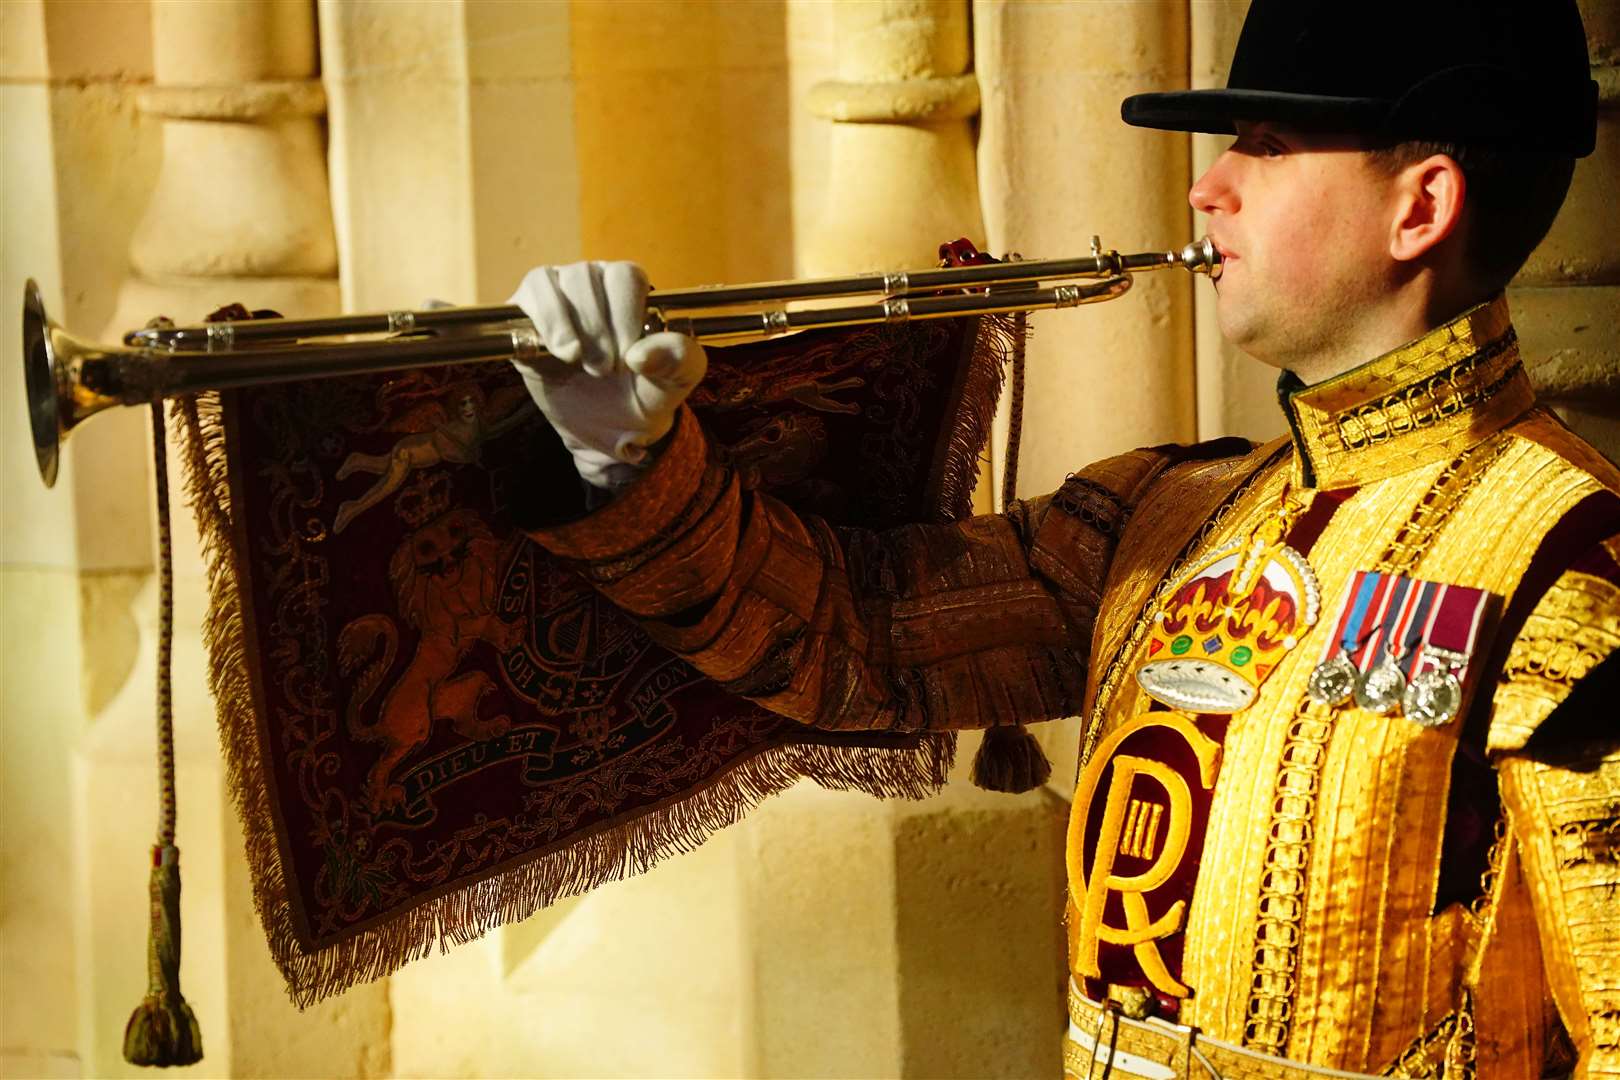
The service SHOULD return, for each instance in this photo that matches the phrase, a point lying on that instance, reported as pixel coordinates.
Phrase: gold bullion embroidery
(1423, 402)
(1425, 1057)
(1429, 401)
(1569, 820)
(1164, 1049)
(1131, 826)
(1268, 1018)
(1272, 984)
(1231, 619)
(1574, 626)
(1461, 1047)
(1453, 484)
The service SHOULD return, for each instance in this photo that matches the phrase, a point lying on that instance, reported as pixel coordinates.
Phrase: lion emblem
(446, 575)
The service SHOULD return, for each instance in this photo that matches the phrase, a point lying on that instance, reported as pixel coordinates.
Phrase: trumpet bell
(39, 372)
(61, 374)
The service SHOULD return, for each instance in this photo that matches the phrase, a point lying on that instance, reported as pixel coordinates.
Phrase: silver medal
(1380, 690)
(1433, 698)
(1333, 680)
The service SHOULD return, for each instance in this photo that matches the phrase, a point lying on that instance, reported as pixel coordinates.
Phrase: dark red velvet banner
(432, 727)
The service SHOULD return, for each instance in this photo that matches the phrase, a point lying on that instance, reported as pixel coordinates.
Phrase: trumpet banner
(431, 727)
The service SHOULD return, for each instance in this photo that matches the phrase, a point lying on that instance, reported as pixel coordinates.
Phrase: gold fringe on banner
(995, 346)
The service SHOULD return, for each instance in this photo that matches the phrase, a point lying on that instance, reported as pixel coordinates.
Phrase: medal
(1435, 693)
(1432, 698)
(1401, 644)
(1382, 688)
(1334, 680)
(1229, 620)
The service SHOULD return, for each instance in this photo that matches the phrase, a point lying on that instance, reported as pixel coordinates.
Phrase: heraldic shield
(434, 728)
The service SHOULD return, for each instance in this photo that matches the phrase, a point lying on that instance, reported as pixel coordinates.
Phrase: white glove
(610, 392)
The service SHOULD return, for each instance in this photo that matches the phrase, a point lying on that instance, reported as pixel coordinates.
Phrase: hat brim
(1217, 111)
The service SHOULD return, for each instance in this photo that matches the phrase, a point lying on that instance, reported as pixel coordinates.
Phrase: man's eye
(1271, 149)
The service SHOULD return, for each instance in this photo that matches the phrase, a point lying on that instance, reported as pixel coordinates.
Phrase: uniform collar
(1427, 401)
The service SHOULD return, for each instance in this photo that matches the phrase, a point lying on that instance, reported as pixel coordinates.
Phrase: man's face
(1303, 221)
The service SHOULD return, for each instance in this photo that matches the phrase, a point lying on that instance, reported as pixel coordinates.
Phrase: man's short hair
(1512, 198)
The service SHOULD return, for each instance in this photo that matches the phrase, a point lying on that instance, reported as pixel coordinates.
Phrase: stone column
(472, 140)
(1564, 300)
(70, 75)
(900, 175)
(239, 211)
(926, 932)
(1056, 165)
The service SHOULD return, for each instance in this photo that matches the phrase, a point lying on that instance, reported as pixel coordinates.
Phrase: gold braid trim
(1428, 402)
(1425, 1057)
(1453, 484)
(1268, 1017)
(1565, 816)
(1422, 403)
(1100, 1037)
(1571, 630)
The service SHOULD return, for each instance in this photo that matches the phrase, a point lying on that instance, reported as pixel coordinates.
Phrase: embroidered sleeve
(1566, 818)
(1556, 731)
(980, 623)
(1572, 629)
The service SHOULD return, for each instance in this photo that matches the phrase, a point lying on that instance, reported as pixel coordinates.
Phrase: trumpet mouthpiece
(1200, 257)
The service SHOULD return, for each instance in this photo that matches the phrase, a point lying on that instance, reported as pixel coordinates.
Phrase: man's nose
(1214, 190)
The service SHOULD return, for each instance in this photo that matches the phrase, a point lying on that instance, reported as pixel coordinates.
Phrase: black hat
(1509, 73)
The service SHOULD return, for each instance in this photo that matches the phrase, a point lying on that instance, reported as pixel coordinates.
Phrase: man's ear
(1429, 198)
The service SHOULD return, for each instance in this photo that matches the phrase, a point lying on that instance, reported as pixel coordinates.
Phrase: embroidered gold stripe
(1268, 1018)
(1435, 508)
(1272, 984)
(1439, 397)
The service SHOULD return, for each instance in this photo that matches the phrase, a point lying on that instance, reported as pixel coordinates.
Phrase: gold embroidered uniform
(1295, 886)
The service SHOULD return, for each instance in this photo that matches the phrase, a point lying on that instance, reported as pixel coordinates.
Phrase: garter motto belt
(1154, 1049)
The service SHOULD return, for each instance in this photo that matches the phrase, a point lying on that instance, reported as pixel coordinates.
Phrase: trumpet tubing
(69, 379)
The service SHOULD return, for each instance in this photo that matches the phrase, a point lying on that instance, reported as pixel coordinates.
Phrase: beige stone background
(169, 156)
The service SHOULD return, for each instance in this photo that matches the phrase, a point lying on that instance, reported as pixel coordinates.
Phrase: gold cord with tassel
(163, 1030)
(1009, 758)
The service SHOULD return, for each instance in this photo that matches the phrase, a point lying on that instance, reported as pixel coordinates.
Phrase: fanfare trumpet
(69, 379)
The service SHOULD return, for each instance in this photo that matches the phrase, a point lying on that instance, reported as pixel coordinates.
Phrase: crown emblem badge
(1227, 623)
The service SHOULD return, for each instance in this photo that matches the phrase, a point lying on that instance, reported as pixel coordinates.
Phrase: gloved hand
(610, 392)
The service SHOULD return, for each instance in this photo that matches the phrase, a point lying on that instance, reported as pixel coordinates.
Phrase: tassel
(163, 1030)
(1010, 760)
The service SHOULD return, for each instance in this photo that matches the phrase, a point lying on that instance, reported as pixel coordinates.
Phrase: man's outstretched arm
(981, 623)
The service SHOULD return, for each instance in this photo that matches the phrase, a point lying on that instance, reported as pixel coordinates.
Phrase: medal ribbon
(1391, 618)
(1413, 616)
(1348, 636)
(1452, 627)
